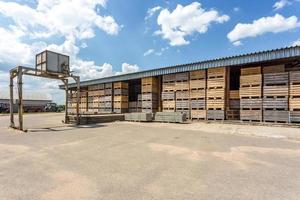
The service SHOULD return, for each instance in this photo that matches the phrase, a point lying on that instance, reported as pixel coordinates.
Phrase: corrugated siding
(276, 54)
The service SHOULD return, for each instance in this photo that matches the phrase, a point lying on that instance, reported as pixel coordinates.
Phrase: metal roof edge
(260, 56)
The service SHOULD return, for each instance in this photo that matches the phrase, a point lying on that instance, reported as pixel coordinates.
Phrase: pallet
(215, 104)
(96, 87)
(182, 104)
(120, 85)
(182, 95)
(212, 93)
(250, 71)
(149, 97)
(182, 86)
(120, 91)
(168, 95)
(273, 69)
(168, 86)
(251, 115)
(251, 91)
(216, 72)
(276, 116)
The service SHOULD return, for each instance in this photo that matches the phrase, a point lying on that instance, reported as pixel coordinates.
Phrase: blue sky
(108, 37)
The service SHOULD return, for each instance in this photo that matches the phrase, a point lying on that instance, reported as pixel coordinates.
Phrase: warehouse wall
(269, 93)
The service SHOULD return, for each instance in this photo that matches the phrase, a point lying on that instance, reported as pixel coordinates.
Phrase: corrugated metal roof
(262, 56)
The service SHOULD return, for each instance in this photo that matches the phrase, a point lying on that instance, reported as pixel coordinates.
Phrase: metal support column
(20, 99)
(67, 98)
(78, 99)
(11, 100)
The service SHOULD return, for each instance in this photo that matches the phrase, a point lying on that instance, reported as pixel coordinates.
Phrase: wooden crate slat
(276, 116)
(250, 71)
(276, 78)
(182, 95)
(275, 103)
(198, 114)
(251, 115)
(295, 116)
(251, 80)
(168, 95)
(273, 69)
(195, 94)
(294, 104)
(295, 89)
(197, 104)
(282, 90)
(197, 84)
(295, 76)
(250, 92)
(251, 104)
(215, 114)
(199, 74)
(216, 93)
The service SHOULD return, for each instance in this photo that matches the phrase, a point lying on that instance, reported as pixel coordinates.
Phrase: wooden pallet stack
(150, 94)
(106, 101)
(294, 100)
(72, 98)
(182, 95)
(83, 102)
(215, 96)
(251, 94)
(120, 97)
(233, 111)
(168, 93)
(275, 94)
(94, 94)
(198, 94)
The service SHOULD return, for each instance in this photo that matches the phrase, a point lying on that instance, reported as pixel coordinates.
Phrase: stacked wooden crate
(83, 102)
(275, 94)
(294, 101)
(94, 94)
(233, 111)
(72, 98)
(182, 95)
(135, 97)
(150, 94)
(120, 97)
(168, 93)
(215, 97)
(198, 94)
(106, 101)
(251, 94)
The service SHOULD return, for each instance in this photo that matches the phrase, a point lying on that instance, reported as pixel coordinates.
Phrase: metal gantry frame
(19, 72)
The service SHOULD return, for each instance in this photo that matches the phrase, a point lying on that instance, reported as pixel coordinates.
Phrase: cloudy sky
(108, 37)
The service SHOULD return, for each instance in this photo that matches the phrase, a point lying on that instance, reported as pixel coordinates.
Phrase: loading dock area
(257, 87)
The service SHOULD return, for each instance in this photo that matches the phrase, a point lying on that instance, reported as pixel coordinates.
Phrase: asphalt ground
(125, 160)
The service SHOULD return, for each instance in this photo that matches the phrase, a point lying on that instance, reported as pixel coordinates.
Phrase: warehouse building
(257, 87)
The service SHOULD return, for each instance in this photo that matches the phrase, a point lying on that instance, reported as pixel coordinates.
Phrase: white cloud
(274, 24)
(280, 4)
(237, 43)
(149, 52)
(186, 20)
(296, 43)
(236, 9)
(127, 68)
(152, 11)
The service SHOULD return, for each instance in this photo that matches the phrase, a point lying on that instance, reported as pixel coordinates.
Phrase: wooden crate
(168, 95)
(216, 115)
(214, 93)
(150, 81)
(121, 104)
(181, 86)
(198, 75)
(251, 104)
(216, 72)
(250, 71)
(275, 103)
(182, 95)
(198, 114)
(120, 85)
(120, 91)
(121, 98)
(108, 85)
(251, 80)
(276, 116)
(196, 84)
(215, 104)
(273, 69)
(294, 104)
(280, 90)
(198, 104)
(198, 94)
(234, 104)
(182, 76)
(216, 83)
(96, 87)
(149, 104)
(149, 89)
(250, 91)
(149, 97)
(295, 89)
(169, 104)
(182, 104)
(233, 114)
(169, 78)
(276, 79)
(108, 91)
(168, 86)
(295, 116)
(234, 94)
(294, 77)
(251, 115)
